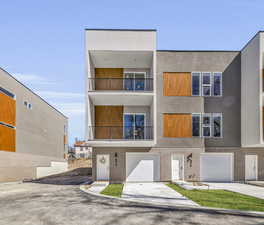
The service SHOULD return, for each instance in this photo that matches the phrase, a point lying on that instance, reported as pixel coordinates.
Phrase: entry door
(102, 165)
(251, 164)
(177, 167)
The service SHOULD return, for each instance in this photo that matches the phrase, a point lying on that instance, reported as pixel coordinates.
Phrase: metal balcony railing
(120, 84)
(136, 133)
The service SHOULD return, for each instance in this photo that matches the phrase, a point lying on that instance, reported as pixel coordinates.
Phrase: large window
(134, 125)
(206, 84)
(207, 125)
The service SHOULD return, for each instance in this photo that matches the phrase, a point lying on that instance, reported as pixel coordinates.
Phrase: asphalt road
(45, 204)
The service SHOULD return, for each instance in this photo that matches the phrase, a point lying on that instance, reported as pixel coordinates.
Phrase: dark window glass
(206, 132)
(7, 92)
(217, 126)
(206, 79)
(195, 125)
(217, 84)
(206, 120)
(206, 91)
(195, 85)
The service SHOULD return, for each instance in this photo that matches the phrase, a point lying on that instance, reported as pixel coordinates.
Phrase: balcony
(121, 84)
(130, 136)
(129, 133)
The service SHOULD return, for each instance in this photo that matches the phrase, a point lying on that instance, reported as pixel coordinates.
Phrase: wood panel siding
(7, 110)
(7, 138)
(109, 78)
(177, 84)
(177, 125)
(109, 122)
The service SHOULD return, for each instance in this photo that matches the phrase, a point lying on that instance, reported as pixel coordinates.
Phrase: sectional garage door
(216, 167)
(142, 167)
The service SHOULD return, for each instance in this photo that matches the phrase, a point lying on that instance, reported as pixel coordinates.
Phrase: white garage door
(216, 167)
(142, 167)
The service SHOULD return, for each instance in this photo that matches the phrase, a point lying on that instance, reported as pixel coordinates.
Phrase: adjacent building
(81, 150)
(161, 115)
(33, 134)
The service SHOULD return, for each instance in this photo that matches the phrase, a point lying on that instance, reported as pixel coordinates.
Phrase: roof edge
(33, 93)
(247, 43)
(198, 50)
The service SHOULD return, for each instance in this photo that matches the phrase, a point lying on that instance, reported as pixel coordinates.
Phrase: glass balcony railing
(120, 84)
(135, 133)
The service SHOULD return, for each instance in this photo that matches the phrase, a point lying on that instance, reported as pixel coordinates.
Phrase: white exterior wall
(120, 40)
(128, 49)
(251, 94)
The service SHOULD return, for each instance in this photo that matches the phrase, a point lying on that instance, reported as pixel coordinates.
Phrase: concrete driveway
(155, 193)
(45, 204)
(245, 189)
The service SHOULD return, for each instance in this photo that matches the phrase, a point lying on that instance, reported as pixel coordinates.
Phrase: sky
(42, 42)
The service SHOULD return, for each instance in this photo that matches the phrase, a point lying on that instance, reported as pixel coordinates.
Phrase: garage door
(216, 167)
(142, 167)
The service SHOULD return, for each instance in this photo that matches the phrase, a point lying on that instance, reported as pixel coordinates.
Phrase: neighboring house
(161, 115)
(33, 134)
(81, 150)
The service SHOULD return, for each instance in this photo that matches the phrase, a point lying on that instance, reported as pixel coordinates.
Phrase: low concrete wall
(56, 167)
(19, 166)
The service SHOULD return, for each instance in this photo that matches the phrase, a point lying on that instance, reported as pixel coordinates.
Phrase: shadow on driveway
(73, 177)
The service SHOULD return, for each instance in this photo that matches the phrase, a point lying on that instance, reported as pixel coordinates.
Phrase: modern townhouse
(33, 134)
(161, 115)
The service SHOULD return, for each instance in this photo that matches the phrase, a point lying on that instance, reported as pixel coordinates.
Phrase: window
(207, 125)
(206, 84)
(134, 125)
(217, 86)
(196, 125)
(135, 81)
(196, 83)
(217, 125)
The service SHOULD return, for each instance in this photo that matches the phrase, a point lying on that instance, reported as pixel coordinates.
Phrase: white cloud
(32, 79)
(61, 95)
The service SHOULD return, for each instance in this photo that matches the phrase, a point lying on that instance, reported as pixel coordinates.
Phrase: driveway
(245, 189)
(45, 204)
(155, 193)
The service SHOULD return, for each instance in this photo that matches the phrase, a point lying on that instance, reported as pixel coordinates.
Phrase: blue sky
(42, 42)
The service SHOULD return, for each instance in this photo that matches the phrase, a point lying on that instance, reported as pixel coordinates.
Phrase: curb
(181, 207)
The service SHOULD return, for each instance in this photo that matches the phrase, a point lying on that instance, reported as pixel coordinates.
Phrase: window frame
(221, 124)
(206, 125)
(200, 117)
(221, 85)
(211, 125)
(199, 82)
(134, 116)
(206, 85)
(134, 78)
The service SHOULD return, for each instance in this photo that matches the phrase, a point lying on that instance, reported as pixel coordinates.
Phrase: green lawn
(113, 190)
(221, 199)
